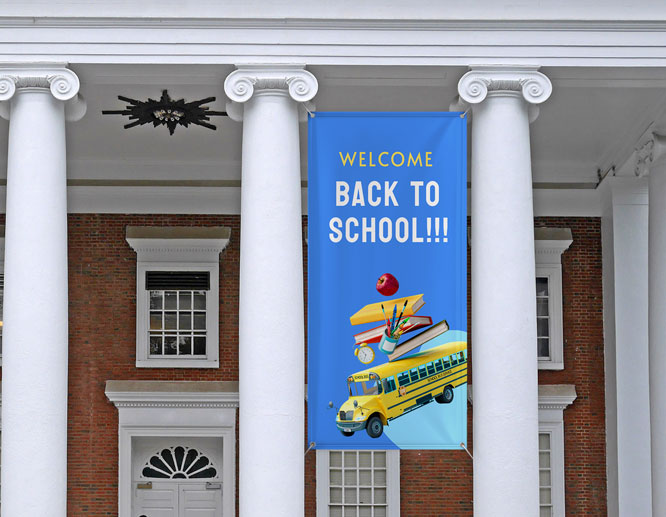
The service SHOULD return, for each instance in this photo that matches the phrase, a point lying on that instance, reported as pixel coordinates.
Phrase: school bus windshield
(360, 388)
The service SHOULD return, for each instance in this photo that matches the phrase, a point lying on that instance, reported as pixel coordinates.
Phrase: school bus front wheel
(374, 427)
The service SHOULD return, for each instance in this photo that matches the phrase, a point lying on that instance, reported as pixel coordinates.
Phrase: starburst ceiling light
(167, 112)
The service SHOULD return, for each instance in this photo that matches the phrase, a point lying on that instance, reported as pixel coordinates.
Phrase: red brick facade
(102, 280)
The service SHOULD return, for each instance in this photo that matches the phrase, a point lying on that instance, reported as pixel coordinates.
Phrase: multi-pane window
(545, 476)
(357, 483)
(177, 295)
(543, 318)
(550, 244)
(177, 323)
(177, 312)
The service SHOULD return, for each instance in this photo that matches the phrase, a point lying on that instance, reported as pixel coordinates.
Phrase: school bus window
(454, 360)
(403, 379)
(438, 366)
(422, 372)
(413, 375)
(431, 368)
(461, 357)
(360, 388)
(388, 385)
(447, 363)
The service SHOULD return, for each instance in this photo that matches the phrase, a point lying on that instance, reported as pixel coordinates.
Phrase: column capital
(63, 83)
(475, 85)
(650, 152)
(241, 84)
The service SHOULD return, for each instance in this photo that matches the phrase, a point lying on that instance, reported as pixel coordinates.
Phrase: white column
(35, 339)
(271, 375)
(624, 234)
(504, 349)
(657, 320)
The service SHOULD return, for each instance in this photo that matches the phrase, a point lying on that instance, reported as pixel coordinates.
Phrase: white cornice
(172, 399)
(550, 243)
(178, 245)
(551, 396)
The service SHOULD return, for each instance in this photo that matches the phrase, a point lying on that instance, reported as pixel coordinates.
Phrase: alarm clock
(364, 353)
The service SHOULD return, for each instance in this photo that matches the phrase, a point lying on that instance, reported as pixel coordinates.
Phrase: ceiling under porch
(591, 123)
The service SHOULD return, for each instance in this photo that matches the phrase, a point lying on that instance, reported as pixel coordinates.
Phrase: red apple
(387, 284)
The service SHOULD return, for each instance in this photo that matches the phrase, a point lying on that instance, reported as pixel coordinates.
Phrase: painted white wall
(625, 284)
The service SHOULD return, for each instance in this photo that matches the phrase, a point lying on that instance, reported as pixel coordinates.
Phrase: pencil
(386, 319)
(402, 311)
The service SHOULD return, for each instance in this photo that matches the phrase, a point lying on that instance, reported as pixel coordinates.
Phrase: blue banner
(387, 311)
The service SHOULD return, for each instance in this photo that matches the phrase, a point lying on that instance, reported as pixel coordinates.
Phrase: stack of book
(402, 321)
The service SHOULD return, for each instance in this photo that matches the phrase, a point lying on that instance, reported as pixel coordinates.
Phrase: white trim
(198, 414)
(391, 41)
(178, 254)
(548, 263)
(553, 400)
(392, 482)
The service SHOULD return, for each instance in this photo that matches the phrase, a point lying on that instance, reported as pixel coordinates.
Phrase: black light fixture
(167, 112)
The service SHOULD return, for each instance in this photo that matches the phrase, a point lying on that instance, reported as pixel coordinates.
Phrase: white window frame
(392, 482)
(549, 244)
(553, 400)
(178, 249)
(163, 409)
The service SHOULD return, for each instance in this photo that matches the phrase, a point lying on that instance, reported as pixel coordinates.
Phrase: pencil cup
(387, 343)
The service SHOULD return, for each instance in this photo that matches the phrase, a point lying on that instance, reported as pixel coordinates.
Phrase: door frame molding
(175, 409)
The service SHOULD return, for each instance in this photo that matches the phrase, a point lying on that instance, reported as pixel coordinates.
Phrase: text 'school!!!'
(383, 193)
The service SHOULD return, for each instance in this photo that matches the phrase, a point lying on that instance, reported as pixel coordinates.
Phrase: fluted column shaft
(35, 337)
(271, 333)
(506, 468)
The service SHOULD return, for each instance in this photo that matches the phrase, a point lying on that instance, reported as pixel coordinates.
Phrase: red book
(374, 335)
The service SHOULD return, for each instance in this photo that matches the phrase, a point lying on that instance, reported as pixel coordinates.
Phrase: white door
(156, 499)
(200, 500)
(173, 499)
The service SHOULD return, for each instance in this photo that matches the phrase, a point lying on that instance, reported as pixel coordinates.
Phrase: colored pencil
(401, 312)
(395, 311)
(386, 319)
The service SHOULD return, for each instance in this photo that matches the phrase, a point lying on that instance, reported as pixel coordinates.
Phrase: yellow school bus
(384, 392)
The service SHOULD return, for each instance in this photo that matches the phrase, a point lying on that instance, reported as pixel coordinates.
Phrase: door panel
(195, 500)
(159, 501)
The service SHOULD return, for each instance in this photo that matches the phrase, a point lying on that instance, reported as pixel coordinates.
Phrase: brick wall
(584, 420)
(102, 345)
(102, 280)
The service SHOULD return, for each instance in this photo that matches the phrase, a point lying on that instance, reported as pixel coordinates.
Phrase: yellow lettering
(428, 156)
(414, 161)
(346, 159)
(380, 159)
(370, 162)
(361, 159)
(393, 159)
